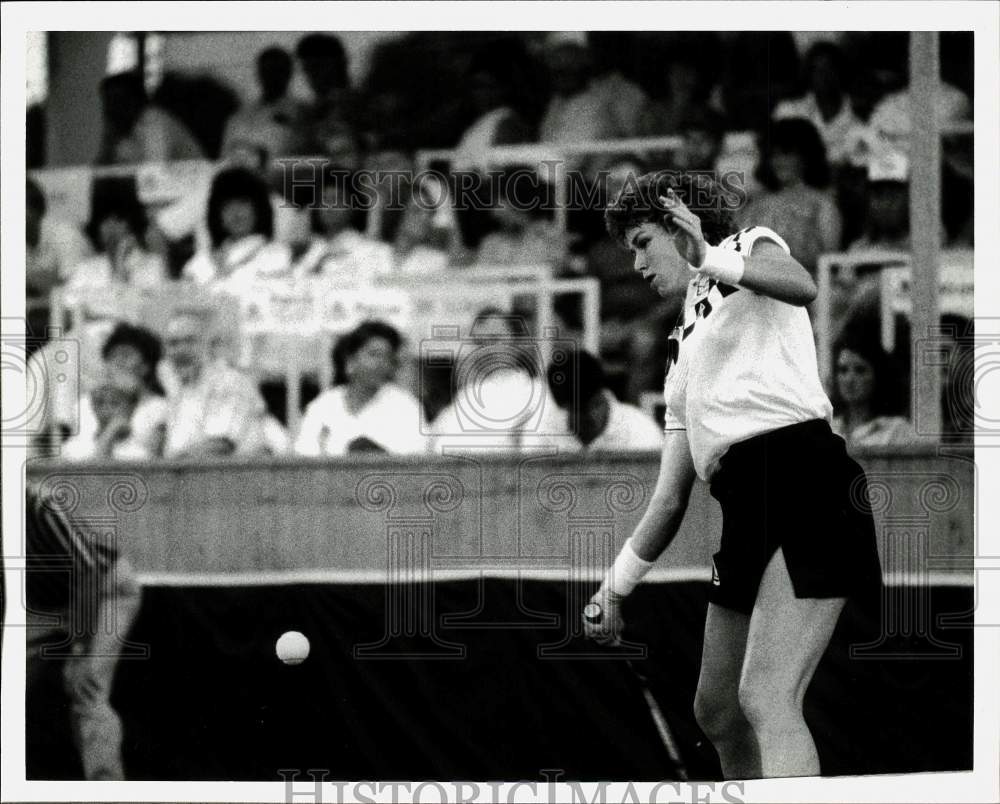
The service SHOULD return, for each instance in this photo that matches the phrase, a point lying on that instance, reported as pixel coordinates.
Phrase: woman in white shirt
(365, 411)
(339, 249)
(241, 228)
(118, 229)
(864, 411)
(124, 416)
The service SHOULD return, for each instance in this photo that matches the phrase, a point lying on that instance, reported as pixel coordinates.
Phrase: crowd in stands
(818, 132)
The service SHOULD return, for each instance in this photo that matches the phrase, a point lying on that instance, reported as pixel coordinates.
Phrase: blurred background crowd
(816, 126)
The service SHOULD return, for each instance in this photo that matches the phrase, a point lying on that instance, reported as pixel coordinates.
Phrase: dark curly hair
(237, 183)
(146, 343)
(886, 399)
(799, 137)
(352, 342)
(639, 202)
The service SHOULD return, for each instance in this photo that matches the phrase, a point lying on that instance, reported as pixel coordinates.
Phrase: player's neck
(856, 415)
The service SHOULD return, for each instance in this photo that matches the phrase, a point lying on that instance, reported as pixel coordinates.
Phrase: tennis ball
(292, 647)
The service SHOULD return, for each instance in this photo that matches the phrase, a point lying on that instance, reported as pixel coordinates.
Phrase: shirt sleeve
(744, 240)
(671, 422)
(307, 440)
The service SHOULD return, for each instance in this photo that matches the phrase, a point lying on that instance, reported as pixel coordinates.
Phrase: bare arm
(659, 524)
(771, 272)
(654, 532)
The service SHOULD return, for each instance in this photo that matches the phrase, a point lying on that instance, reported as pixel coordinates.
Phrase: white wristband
(723, 264)
(626, 572)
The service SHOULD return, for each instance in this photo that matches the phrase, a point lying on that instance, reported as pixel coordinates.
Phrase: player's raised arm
(769, 269)
(654, 532)
(772, 271)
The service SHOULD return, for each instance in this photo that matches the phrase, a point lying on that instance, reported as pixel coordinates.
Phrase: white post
(925, 222)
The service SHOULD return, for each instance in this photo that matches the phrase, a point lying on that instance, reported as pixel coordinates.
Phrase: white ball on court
(292, 647)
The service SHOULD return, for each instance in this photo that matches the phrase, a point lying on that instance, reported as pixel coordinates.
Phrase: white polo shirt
(740, 364)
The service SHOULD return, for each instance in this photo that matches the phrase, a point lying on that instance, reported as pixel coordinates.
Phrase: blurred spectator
(758, 69)
(187, 216)
(214, 410)
(324, 63)
(118, 228)
(688, 86)
(137, 131)
(54, 246)
(796, 174)
(701, 130)
(624, 98)
(892, 117)
(339, 250)
(598, 420)
(496, 122)
(271, 123)
(241, 226)
(887, 224)
(500, 401)
(635, 321)
(826, 104)
(582, 108)
(124, 416)
(427, 240)
(528, 234)
(365, 411)
(865, 403)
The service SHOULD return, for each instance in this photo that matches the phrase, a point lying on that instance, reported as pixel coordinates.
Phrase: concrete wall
(554, 517)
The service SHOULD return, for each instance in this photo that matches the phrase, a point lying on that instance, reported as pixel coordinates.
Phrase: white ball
(292, 647)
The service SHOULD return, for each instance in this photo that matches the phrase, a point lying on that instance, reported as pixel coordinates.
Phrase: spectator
(118, 228)
(495, 122)
(241, 228)
(580, 108)
(214, 410)
(324, 63)
(124, 417)
(865, 407)
(892, 118)
(527, 235)
(688, 87)
(624, 98)
(887, 224)
(796, 174)
(701, 132)
(365, 411)
(500, 401)
(428, 239)
(339, 249)
(137, 131)
(598, 420)
(187, 216)
(273, 122)
(758, 69)
(826, 104)
(54, 246)
(78, 619)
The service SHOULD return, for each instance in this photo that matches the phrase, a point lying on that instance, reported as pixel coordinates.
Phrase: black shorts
(795, 488)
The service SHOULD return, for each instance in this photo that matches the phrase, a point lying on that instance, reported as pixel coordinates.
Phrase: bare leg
(716, 704)
(787, 638)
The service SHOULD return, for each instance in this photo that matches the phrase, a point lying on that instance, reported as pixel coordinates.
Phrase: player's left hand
(684, 227)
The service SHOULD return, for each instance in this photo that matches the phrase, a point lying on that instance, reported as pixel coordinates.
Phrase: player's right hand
(607, 628)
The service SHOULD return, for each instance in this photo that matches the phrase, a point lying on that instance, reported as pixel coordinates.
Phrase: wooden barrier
(535, 515)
